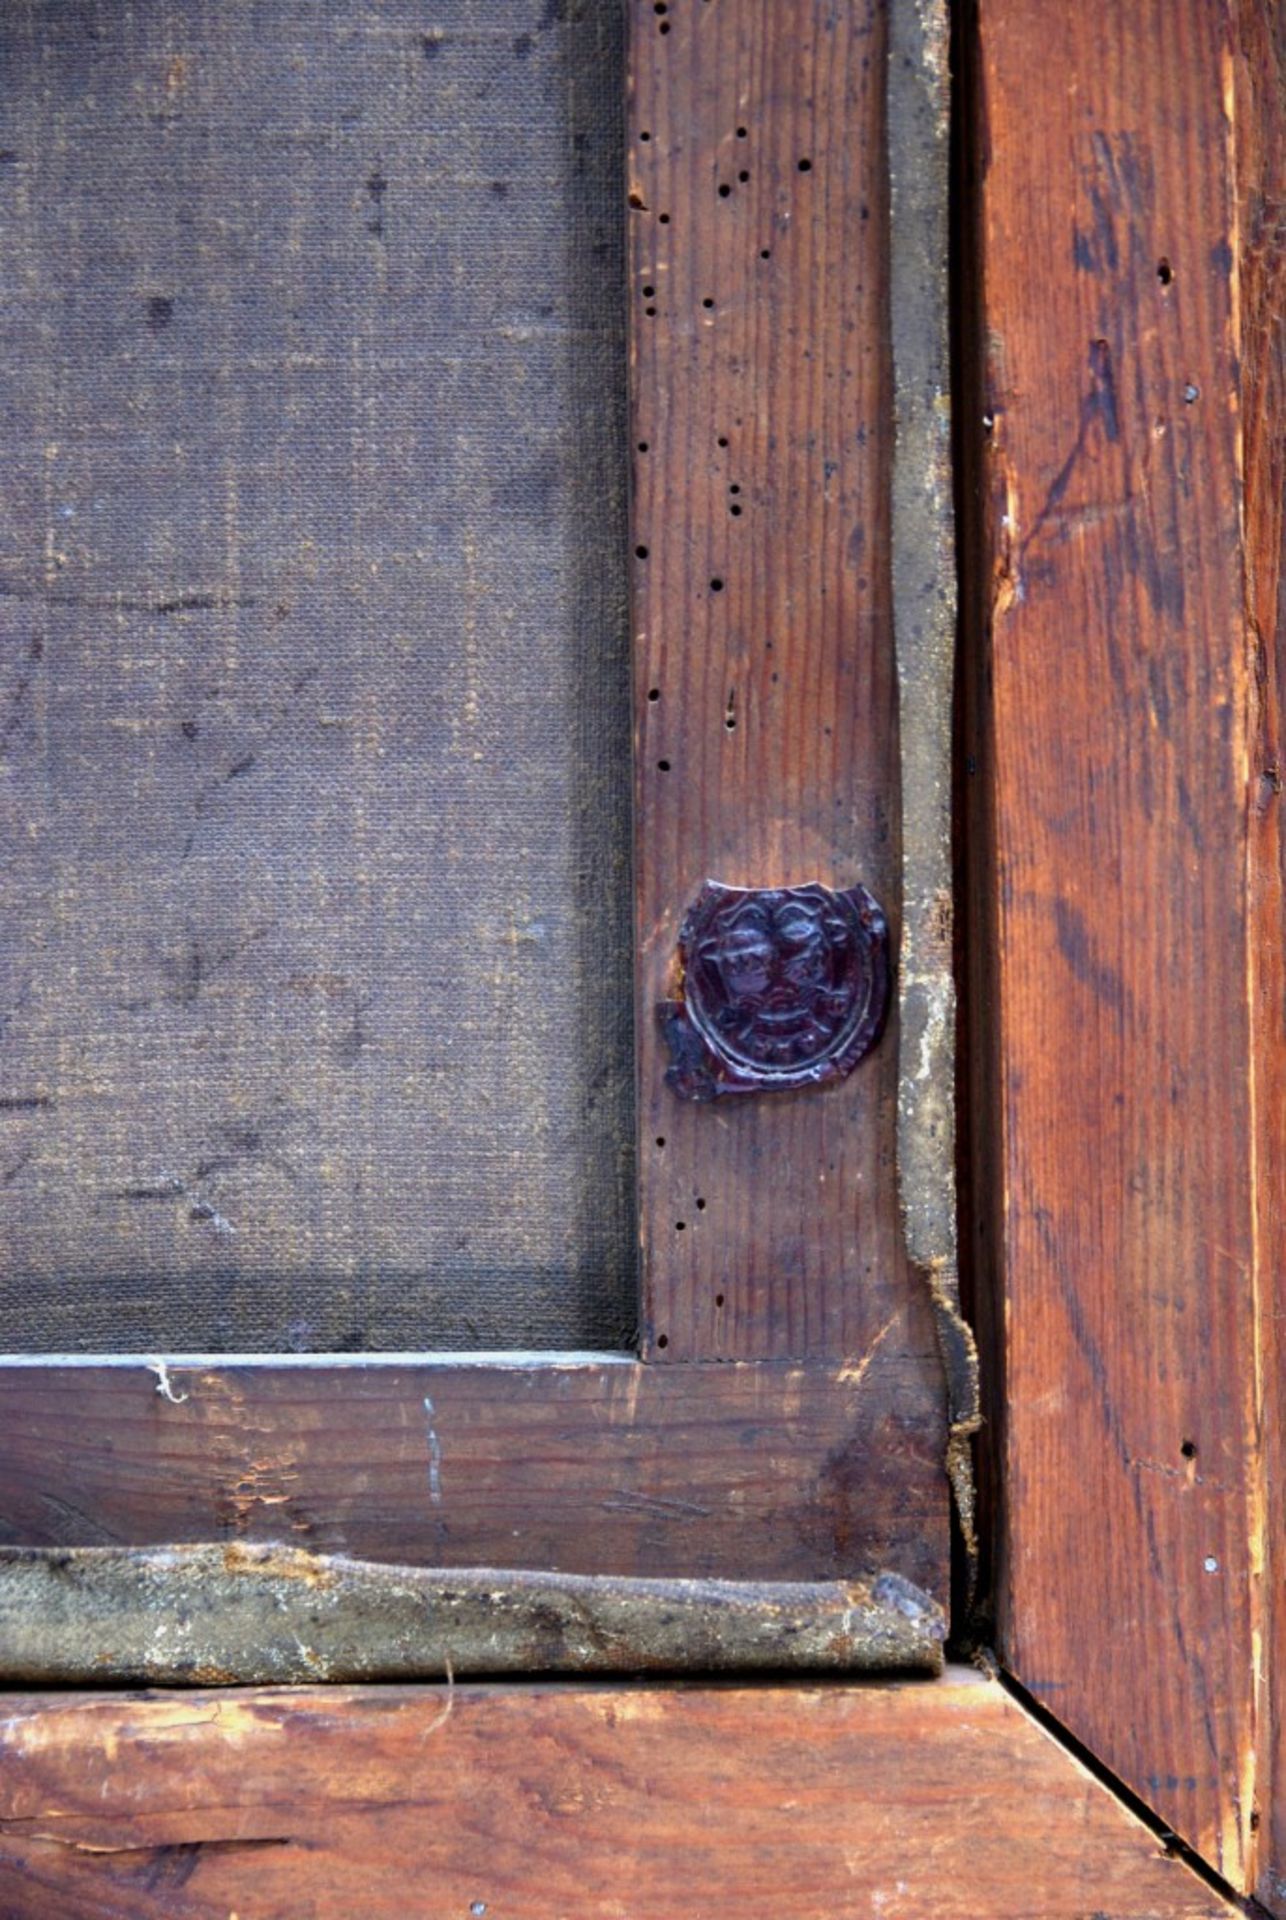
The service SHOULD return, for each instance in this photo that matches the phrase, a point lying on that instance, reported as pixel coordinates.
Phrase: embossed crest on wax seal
(777, 987)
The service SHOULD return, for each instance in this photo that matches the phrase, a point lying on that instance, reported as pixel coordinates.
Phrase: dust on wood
(238, 1615)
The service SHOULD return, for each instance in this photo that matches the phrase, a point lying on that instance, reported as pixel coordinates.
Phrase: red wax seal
(777, 987)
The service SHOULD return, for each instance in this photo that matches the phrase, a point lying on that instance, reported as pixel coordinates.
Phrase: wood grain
(826, 1458)
(1116, 712)
(1259, 151)
(764, 675)
(588, 1466)
(900, 1800)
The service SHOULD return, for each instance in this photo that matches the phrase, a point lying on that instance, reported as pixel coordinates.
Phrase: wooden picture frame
(1119, 358)
(784, 1418)
(1126, 911)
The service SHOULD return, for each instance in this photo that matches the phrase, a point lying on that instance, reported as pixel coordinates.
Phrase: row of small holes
(649, 294)
(804, 166)
(663, 1339)
(716, 584)
(680, 1226)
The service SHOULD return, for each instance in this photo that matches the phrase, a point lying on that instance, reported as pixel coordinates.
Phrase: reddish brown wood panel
(1259, 118)
(761, 1472)
(897, 1800)
(1116, 748)
(764, 679)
